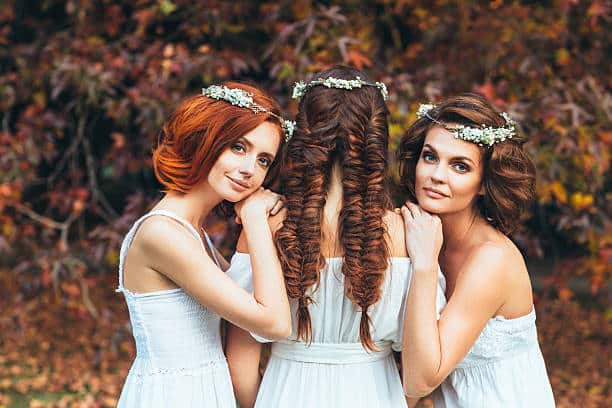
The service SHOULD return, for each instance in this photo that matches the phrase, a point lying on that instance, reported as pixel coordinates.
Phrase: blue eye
(429, 157)
(238, 148)
(460, 167)
(265, 162)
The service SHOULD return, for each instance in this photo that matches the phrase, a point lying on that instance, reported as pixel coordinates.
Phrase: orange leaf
(559, 192)
(606, 136)
(488, 90)
(71, 289)
(565, 294)
(357, 59)
(45, 279)
(562, 56)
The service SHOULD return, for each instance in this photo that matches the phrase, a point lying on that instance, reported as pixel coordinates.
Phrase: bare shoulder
(500, 250)
(159, 235)
(497, 267)
(489, 255)
(396, 235)
(275, 223)
(496, 260)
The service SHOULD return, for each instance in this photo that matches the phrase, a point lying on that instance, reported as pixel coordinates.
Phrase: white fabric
(504, 368)
(179, 358)
(336, 371)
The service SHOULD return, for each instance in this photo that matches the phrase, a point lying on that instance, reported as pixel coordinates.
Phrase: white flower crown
(486, 135)
(300, 88)
(243, 99)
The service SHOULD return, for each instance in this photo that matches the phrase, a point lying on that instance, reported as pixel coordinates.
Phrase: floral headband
(301, 87)
(243, 99)
(486, 135)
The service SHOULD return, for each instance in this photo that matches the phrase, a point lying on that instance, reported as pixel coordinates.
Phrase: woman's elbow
(274, 328)
(417, 389)
(279, 331)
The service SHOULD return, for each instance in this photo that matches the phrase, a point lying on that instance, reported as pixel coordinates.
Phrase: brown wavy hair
(509, 173)
(349, 127)
(200, 129)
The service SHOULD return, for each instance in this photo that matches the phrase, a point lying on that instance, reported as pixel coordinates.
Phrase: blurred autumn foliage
(85, 85)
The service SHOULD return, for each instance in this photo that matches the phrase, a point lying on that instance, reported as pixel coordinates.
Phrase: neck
(458, 228)
(333, 203)
(333, 200)
(194, 206)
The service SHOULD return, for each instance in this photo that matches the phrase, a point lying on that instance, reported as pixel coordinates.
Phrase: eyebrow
(430, 147)
(249, 144)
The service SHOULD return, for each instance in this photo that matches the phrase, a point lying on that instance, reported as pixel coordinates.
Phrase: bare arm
(180, 257)
(432, 348)
(243, 354)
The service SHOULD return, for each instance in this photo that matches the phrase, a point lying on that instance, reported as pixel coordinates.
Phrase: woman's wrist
(424, 268)
(253, 216)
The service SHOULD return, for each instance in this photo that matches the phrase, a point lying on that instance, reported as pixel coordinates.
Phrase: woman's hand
(262, 202)
(423, 236)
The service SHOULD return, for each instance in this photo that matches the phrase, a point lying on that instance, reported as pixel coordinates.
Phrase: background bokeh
(85, 86)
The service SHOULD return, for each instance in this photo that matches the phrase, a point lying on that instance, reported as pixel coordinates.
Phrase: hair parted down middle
(349, 127)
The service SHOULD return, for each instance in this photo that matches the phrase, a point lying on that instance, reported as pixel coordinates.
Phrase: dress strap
(329, 353)
(127, 241)
(212, 248)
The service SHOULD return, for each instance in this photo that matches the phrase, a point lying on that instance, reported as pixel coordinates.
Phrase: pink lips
(238, 185)
(433, 193)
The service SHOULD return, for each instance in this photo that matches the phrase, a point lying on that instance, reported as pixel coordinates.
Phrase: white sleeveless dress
(179, 357)
(335, 370)
(504, 368)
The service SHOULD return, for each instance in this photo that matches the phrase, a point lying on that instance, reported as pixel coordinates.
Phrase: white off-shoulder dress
(335, 370)
(504, 368)
(179, 358)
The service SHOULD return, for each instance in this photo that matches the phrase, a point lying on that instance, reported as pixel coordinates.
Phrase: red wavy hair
(200, 129)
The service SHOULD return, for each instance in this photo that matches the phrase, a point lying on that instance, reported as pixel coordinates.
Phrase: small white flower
(424, 109)
(486, 135)
(243, 99)
(300, 88)
(383, 90)
(289, 127)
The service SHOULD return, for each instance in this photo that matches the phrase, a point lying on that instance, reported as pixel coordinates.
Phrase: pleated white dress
(179, 358)
(504, 368)
(335, 370)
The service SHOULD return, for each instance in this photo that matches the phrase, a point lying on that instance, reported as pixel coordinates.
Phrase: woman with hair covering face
(343, 256)
(216, 148)
(465, 166)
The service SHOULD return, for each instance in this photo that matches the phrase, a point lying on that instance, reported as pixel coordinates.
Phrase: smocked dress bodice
(504, 368)
(179, 357)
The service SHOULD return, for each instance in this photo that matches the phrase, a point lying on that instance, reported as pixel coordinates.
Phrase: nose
(247, 167)
(439, 174)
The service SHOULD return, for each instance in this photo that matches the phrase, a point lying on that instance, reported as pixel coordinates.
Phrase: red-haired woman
(343, 255)
(465, 166)
(217, 147)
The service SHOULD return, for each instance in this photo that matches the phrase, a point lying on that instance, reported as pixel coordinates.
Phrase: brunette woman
(465, 166)
(343, 254)
(217, 147)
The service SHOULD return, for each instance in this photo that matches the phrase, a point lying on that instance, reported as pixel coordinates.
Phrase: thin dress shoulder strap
(127, 241)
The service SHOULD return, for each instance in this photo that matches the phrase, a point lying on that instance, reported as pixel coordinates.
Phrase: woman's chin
(236, 196)
(431, 207)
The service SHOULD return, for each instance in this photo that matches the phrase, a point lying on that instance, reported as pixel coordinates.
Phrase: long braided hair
(348, 127)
